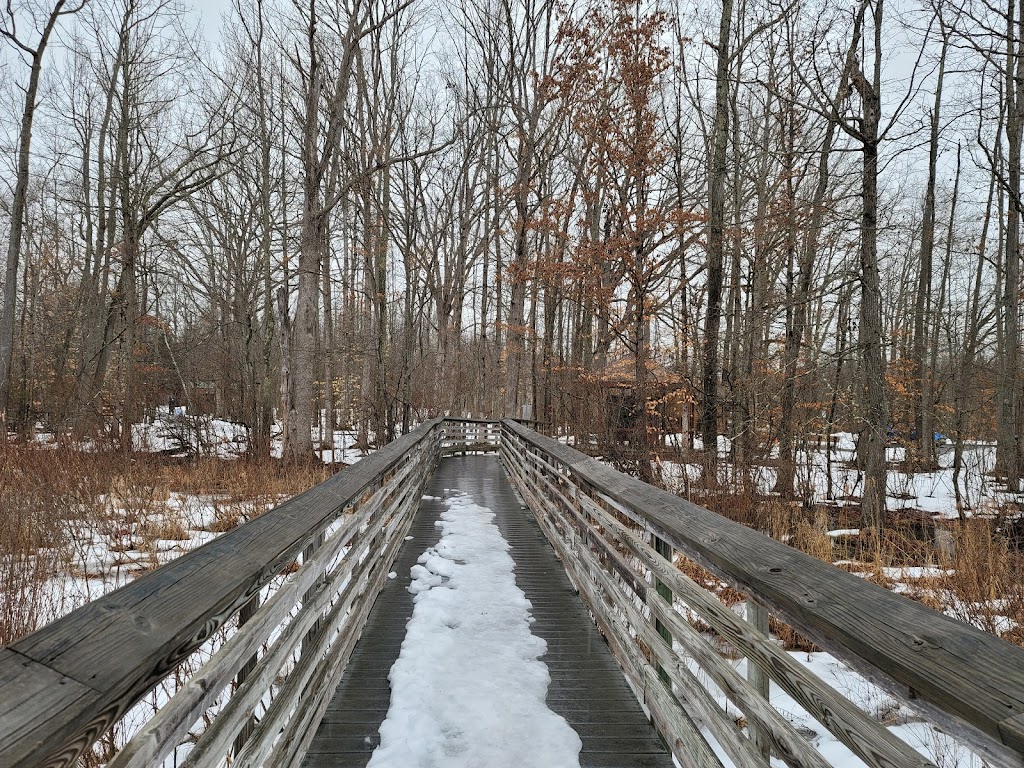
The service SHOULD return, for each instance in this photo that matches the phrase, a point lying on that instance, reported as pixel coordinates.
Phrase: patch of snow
(915, 572)
(468, 688)
(724, 445)
(844, 532)
(830, 475)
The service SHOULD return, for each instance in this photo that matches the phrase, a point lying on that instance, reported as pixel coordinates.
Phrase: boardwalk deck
(586, 687)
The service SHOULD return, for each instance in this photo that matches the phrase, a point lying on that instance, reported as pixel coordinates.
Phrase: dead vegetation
(972, 570)
(109, 515)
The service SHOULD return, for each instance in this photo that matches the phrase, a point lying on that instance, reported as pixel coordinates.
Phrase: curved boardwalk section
(587, 687)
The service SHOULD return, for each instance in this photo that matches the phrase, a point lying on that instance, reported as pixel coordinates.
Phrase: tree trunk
(18, 205)
(716, 242)
(302, 367)
(874, 405)
(1008, 454)
(924, 416)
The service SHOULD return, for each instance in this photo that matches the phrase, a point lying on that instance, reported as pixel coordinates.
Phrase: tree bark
(715, 244)
(874, 405)
(924, 417)
(1008, 452)
(20, 200)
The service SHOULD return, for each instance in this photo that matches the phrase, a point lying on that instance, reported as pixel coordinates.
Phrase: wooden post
(246, 612)
(665, 550)
(758, 617)
(307, 553)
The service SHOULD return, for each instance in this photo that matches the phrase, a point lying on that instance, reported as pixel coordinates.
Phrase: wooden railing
(247, 635)
(617, 538)
(462, 436)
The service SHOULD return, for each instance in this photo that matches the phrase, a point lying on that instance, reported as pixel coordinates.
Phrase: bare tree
(34, 57)
(716, 245)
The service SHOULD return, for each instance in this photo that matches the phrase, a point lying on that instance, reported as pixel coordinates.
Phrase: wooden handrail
(968, 682)
(66, 684)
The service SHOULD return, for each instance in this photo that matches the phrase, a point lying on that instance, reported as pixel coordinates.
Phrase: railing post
(246, 612)
(664, 549)
(758, 617)
(307, 554)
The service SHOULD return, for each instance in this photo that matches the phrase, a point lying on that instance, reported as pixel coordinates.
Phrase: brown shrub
(985, 582)
(53, 501)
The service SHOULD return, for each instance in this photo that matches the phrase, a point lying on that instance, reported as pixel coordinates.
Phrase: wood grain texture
(757, 616)
(29, 694)
(967, 681)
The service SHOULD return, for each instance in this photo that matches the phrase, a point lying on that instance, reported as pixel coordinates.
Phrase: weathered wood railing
(470, 436)
(614, 533)
(254, 629)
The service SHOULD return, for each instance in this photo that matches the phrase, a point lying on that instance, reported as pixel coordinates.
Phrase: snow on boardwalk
(468, 688)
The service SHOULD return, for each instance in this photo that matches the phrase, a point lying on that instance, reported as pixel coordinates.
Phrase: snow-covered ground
(110, 552)
(187, 435)
(468, 690)
(923, 737)
(929, 492)
(131, 535)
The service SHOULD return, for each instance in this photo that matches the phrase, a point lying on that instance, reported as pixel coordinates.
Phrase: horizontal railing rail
(618, 538)
(247, 635)
(461, 436)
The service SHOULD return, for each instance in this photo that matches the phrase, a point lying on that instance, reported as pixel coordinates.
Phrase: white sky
(211, 13)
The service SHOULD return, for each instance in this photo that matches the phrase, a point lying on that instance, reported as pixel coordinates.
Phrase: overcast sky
(211, 12)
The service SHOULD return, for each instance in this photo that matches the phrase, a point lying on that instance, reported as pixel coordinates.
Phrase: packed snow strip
(468, 688)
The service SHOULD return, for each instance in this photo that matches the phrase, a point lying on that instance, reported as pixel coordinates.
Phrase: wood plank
(757, 617)
(31, 693)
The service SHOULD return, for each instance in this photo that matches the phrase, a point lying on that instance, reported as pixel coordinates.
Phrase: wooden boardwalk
(73, 681)
(587, 687)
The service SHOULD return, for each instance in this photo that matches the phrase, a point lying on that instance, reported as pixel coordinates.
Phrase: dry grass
(43, 496)
(52, 501)
(980, 565)
(241, 480)
(984, 584)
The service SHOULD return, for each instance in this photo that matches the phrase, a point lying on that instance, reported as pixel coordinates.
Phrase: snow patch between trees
(468, 688)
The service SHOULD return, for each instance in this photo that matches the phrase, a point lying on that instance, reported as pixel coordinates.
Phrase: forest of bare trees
(357, 213)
